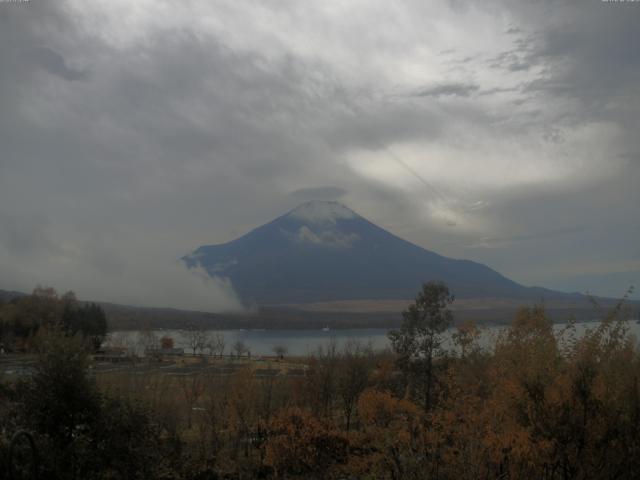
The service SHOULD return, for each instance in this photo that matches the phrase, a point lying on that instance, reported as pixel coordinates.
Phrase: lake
(305, 342)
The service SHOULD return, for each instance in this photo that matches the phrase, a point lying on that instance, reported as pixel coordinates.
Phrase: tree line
(22, 317)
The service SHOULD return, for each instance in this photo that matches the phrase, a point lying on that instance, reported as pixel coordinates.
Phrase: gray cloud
(55, 64)
(495, 242)
(26, 235)
(449, 89)
(198, 123)
(318, 193)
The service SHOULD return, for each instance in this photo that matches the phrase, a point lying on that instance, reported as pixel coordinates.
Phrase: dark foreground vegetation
(537, 405)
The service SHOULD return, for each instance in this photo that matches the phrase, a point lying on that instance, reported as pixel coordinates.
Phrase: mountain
(8, 295)
(323, 251)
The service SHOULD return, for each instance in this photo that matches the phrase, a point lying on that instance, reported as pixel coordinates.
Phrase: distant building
(112, 355)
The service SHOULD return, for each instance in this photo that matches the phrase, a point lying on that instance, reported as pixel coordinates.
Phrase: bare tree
(353, 376)
(195, 337)
(147, 340)
(216, 344)
(321, 378)
(240, 348)
(280, 350)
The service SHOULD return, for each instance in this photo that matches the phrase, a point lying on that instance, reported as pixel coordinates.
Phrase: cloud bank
(132, 133)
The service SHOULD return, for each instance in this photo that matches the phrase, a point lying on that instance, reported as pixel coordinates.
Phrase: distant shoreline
(280, 318)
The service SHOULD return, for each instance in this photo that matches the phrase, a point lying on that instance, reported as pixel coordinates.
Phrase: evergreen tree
(419, 339)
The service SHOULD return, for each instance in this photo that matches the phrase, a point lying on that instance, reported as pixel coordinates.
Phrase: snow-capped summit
(317, 212)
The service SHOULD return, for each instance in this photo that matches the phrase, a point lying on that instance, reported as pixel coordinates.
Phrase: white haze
(138, 275)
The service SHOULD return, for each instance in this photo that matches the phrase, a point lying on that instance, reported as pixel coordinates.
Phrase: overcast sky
(132, 132)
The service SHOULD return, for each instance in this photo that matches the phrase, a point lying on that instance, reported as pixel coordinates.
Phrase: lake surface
(305, 342)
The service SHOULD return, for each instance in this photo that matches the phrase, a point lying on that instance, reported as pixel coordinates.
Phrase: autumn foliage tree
(301, 444)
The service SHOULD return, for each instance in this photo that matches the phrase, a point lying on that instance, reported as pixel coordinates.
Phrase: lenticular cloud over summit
(319, 212)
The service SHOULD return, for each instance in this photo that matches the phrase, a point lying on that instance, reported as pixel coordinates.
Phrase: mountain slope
(324, 251)
(8, 295)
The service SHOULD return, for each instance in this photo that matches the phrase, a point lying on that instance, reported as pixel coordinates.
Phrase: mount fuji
(323, 251)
